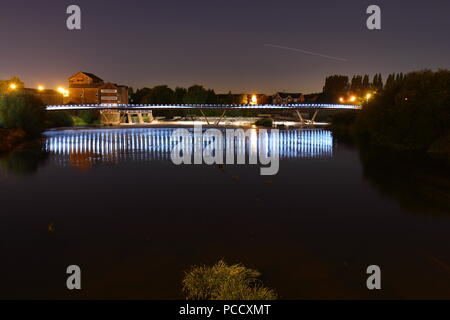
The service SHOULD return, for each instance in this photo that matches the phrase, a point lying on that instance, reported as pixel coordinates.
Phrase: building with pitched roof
(87, 88)
(288, 98)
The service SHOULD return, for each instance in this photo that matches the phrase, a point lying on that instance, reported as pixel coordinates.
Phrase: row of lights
(254, 101)
(61, 90)
(65, 92)
(354, 98)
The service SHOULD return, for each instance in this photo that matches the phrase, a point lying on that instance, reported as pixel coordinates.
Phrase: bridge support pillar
(109, 117)
(204, 116)
(141, 119)
(130, 118)
(304, 121)
(300, 117)
(221, 117)
(314, 116)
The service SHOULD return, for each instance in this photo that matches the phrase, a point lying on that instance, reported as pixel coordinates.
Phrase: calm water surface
(112, 202)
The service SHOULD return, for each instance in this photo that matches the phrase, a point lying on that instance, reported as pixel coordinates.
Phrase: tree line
(337, 86)
(196, 94)
(412, 112)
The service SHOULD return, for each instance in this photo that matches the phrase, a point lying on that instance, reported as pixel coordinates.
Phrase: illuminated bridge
(299, 106)
(119, 113)
(87, 147)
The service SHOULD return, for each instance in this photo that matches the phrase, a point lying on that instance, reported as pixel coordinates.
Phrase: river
(113, 202)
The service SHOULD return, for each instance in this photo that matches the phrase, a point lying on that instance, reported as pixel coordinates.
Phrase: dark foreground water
(112, 202)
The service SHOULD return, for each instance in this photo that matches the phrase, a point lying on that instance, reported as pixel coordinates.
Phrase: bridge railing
(311, 106)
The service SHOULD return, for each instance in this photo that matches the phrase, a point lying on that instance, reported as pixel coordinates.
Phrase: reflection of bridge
(145, 108)
(82, 147)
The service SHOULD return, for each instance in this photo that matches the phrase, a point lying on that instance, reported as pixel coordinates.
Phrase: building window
(108, 91)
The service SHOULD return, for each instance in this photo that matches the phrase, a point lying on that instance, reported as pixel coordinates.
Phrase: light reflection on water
(144, 144)
(312, 230)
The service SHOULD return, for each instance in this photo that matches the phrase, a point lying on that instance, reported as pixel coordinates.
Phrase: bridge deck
(300, 106)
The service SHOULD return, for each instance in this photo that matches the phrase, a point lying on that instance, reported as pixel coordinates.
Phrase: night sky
(224, 45)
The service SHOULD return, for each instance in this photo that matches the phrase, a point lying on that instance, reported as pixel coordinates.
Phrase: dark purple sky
(220, 44)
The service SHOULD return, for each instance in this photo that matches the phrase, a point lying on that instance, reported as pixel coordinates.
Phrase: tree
(212, 97)
(179, 95)
(380, 82)
(357, 84)
(22, 111)
(142, 95)
(161, 95)
(335, 86)
(196, 95)
(131, 95)
(5, 85)
(390, 80)
(377, 83)
(411, 113)
(366, 83)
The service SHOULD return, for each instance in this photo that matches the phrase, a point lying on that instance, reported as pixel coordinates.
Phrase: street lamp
(341, 100)
(40, 88)
(63, 91)
(352, 98)
(13, 86)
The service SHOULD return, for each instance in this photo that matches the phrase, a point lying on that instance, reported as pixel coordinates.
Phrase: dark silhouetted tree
(335, 86)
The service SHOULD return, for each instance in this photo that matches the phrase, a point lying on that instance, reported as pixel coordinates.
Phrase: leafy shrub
(57, 119)
(22, 111)
(89, 116)
(224, 282)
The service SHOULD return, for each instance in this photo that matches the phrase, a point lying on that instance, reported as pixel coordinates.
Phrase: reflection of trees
(25, 160)
(417, 183)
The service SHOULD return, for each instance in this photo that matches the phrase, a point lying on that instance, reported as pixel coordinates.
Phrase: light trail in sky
(306, 52)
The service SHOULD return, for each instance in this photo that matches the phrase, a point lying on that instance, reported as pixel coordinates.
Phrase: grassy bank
(225, 282)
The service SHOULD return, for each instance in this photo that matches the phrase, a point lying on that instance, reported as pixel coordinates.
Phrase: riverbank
(411, 114)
